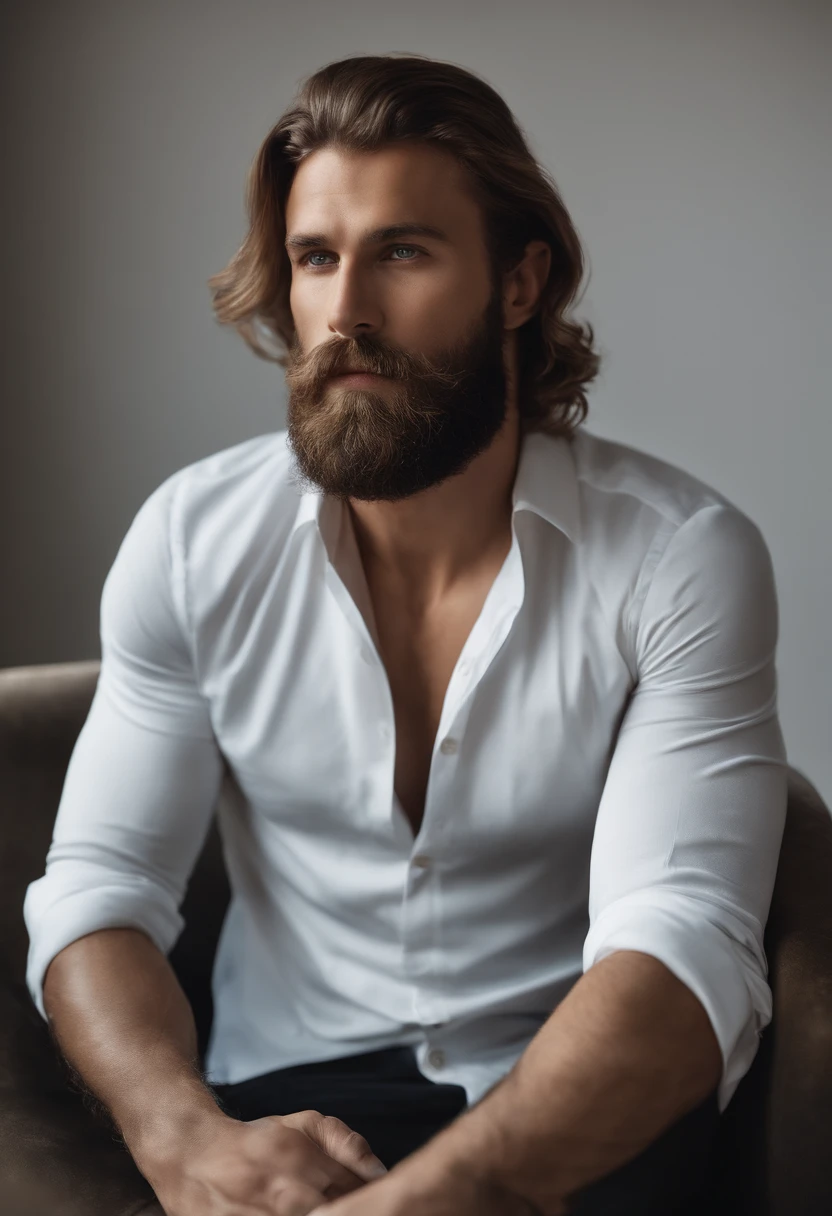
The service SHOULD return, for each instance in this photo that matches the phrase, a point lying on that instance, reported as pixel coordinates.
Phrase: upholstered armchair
(58, 1159)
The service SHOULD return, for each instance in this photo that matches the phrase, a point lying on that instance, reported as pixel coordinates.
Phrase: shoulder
(206, 513)
(616, 478)
(233, 474)
(217, 505)
(222, 479)
(648, 523)
(202, 529)
(632, 504)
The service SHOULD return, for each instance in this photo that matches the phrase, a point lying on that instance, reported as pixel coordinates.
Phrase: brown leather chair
(58, 1159)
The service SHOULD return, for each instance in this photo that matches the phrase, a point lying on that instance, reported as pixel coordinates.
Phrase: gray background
(690, 143)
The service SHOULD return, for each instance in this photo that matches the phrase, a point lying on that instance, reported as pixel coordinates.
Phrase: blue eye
(307, 259)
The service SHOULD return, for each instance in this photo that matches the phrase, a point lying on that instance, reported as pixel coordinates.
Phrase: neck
(420, 548)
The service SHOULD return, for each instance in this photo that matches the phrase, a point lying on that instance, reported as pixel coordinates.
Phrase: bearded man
(496, 699)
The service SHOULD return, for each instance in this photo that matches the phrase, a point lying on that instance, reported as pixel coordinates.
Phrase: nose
(352, 308)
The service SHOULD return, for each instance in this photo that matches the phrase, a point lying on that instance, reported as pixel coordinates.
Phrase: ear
(523, 285)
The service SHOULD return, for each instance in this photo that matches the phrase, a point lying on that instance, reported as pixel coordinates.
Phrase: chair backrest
(775, 1134)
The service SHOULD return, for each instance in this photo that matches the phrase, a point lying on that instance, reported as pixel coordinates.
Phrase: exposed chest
(419, 657)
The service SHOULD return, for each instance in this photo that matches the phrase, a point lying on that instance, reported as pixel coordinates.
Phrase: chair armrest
(799, 951)
(56, 1157)
(773, 1141)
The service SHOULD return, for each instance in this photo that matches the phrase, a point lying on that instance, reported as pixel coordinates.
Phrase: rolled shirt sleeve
(144, 776)
(691, 818)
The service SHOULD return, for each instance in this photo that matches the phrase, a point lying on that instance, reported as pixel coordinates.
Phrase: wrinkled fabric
(609, 771)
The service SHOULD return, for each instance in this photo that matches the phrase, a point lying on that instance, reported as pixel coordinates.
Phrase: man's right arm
(125, 1026)
(136, 805)
(137, 802)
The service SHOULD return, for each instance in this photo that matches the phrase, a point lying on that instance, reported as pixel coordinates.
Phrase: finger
(306, 1157)
(348, 1147)
(328, 1176)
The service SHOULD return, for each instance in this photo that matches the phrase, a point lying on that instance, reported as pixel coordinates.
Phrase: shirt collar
(545, 483)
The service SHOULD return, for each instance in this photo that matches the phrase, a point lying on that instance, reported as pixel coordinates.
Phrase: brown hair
(368, 101)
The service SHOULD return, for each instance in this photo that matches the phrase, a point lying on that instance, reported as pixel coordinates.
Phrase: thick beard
(385, 446)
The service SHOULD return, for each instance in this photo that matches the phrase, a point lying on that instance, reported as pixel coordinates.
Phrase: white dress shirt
(609, 771)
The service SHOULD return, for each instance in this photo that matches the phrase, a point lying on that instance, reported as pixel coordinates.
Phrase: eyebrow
(309, 240)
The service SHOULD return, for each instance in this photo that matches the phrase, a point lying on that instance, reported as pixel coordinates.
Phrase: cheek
(295, 297)
(446, 303)
(434, 320)
(308, 310)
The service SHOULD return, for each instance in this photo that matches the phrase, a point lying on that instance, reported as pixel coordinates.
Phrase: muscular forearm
(627, 1053)
(125, 1026)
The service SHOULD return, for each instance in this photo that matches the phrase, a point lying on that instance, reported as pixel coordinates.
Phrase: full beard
(428, 422)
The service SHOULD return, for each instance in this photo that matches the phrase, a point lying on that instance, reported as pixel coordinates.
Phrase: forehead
(340, 191)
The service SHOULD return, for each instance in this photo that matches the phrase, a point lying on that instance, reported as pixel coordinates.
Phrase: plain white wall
(690, 143)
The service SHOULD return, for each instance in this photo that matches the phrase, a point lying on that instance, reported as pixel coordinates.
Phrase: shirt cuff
(725, 972)
(55, 919)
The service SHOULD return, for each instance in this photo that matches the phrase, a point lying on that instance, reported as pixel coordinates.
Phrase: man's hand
(416, 1187)
(282, 1165)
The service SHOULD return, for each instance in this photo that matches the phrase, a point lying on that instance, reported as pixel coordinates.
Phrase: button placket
(423, 890)
(422, 930)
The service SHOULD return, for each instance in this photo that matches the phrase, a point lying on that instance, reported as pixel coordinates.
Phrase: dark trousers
(382, 1095)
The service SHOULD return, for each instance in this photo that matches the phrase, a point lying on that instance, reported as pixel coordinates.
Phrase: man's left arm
(687, 839)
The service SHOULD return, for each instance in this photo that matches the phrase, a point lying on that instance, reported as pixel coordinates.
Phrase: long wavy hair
(366, 102)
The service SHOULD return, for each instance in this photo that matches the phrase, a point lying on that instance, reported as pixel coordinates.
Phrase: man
(496, 699)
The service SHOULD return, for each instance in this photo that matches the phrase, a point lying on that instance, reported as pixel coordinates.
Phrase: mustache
(367, 355)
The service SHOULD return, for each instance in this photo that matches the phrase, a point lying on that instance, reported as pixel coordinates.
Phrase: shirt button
(422, 860)
(384, 730)
(436, 1058)
(448, 747)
